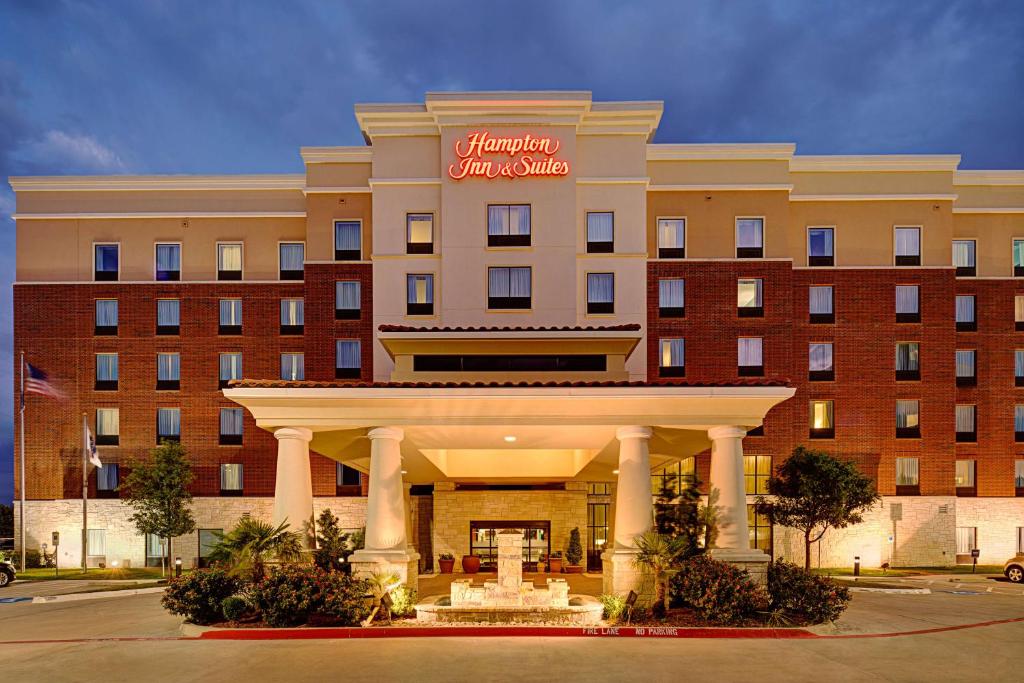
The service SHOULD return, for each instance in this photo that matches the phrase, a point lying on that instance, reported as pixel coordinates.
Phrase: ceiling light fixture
(615, 471)
(510, 439)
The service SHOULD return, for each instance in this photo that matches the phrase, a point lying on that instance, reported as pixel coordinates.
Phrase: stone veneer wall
(998, 521)
(453, 511)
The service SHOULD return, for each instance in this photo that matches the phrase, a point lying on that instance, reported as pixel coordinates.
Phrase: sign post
(56, 555)
(974, 559)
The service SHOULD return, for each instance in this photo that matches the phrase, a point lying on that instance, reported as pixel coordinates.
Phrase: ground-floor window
(966, 541)
(207, 539)
(597, 526)
(154, 551)
(96, 547)
(760, 529)
(1020, 539)
(483, 542)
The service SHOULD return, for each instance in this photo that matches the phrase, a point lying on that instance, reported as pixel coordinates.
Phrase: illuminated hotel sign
(522, 156)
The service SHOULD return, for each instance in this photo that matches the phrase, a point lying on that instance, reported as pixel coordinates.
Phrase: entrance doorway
(597, 526)
(483, 541)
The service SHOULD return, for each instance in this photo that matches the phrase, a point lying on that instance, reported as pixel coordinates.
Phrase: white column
(729, 498)
(293, 488)
(634, 508)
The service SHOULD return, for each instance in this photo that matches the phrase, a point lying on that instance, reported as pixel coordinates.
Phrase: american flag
(38, 382)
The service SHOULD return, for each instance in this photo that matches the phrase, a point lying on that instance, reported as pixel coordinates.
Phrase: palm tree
(381, 584)
(658, 554)
(252, 543)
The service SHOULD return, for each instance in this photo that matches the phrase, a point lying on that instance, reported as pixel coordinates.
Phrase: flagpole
(85, 492)
(21, 466)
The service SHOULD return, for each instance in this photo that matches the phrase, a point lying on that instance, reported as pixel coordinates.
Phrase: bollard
(177, 567)
(856, 565)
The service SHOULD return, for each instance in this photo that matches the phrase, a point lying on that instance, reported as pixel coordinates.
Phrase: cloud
(68, 152)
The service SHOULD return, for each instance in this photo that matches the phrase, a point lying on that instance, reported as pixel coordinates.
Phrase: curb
(898, 591)
(70, 597)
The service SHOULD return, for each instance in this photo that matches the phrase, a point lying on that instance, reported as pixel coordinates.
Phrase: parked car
(1014, 568)
(7, 573)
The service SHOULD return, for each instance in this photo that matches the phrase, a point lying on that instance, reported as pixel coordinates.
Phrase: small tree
(331, 542)
(814, 492)
(658, 554)
(156, 489)
(574, 553)
(252, 543)
(678, 514)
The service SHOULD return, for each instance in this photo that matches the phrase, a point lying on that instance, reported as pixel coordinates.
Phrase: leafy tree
(252, 543)
(574, 553)
(331, 542)
(679, 514)
(156, 489)
(814, 492)
(6, 521)
(659, 553)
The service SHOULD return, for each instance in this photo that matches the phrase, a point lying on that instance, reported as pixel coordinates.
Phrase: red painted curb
(505, 632)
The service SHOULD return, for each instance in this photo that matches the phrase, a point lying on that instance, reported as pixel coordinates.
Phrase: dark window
(348, 241)
(600, 232)
(508, 225)
(483, 542)
(347, 481)
(497, 363)
(106, 262)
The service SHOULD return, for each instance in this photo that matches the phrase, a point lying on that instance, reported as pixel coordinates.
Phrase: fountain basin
(581, 610)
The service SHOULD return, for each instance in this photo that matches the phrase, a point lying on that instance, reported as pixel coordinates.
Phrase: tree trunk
(807, 550)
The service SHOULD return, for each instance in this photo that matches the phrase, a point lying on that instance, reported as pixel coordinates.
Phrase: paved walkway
(580, 584)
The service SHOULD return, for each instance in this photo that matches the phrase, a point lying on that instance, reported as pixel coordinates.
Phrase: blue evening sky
(219, 86)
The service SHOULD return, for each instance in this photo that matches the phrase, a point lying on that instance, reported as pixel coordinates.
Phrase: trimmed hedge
(797, 591)
(198, 595)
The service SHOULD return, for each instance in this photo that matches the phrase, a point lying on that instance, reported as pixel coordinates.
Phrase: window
(508, 225)
(672, 298)
(1018, 367)
(672, 358)
(292, 316)
(1018, 258)
(908, 246)
(1018, 312)
(108, 426)
(908, 366)
(966, 424)
(348, 240)
(419, 294)
(1018, 423)
(231, 479)
(107, 479)
(907, 477)
(749, 360)
(229, 261)
(168, 425)
(748, 299)
(907, 310)
(155, 551)
(963, 258)
(822, 420)
(348, 361)
(293, 366)
(168, 262)
(756, 471)
(347, 300)
(820, 247)
(820, 304)
(671, 238)
(600, 293)
(601, 489)
(673, 477)
(908, 419)
(106, 372)
(107, 262)
(419, 233)
(168, 371)
(819, 366)
(230, 426)
(168, 316)
(965, 485)
(96, 547)
(760, 529)
(291, 255)
(208, 539)
(106, 317)
(965, 320)
(509, 288)
(1018, 476)
(230, 368)
(230, 316)
(600, 232)
(966, 541)
(749, 238)
(347, 481)
(966, 368)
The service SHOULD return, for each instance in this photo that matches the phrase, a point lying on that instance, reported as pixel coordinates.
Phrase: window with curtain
(966, 539)
(293, 316)
(106, 371)
(348, 359)
(419, 294)
(907, 309)
(819, 362)
(508, 288)
(230, 368)
(508, 225)
(106, 262)
(672, 297)
(966, 429)
(1018, 367)
(820, 247)
(756, 471)
(966, 368)
(107, 479)
(154, 551)
(749, 238)
(293, 366)
(820, 304)
(908, 419)
(230, 316)
(231, 479)
(168, 371)
(963, 257)
(600, 232)
(908, 246)
(1018, 422)
(346, 300)
(600, 293)
(292, 255)
(168, 316)
(672, 357)
(908, 367)
(965, 320)
(168, 424)
(1018, 258)
(231, 426)
(108, 426)
(229, 261)
(348, 240)
(749, 359)
(671, 238)
(1018, 474)
(748, 298)
(822, 419)
(168, 262)
(106, 316)
(907, 473)
(96, 543)
(419, 233)
(965, 474)
(1018, 312)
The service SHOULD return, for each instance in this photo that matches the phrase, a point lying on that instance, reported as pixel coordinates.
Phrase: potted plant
(470, 564)
(555, 562)
(446, 561)
(574, 553)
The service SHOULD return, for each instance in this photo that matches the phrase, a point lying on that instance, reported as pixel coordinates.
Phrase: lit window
(346, 300)
(907, 309)
(508, 225)
(96, 546)
(820, 304)
(966, 424)
(820, 247)
(168, 316)
(106, 372)
(419, 294)
(600, 232)
(168, 371)
(508, 288)
(231, 479)
(1018, 312)
(229, 261)
(293, 366)
(106, 317)
(756, 471)
(419, 233)
(673, 477)
(907, 474)
(672, 297)
(750, 360)
(348, 240)
(822, 420)
(293, 317)
(908, 419)
(966, 368)
(600, 292)
(291, 256)
(966, 540)
(963, 258)
(348, 359)
(108, 426)
(671, 238)
(965, 474)
(106, 262)
(672, 358)
(908, 246)
(168, 262)
(965, 320)
(230, 368)
(819, 363)
(748, 298)
(908, 363)
(230, 316)
(749, 238)
(760, 529)
(168, 425)
(1018, 474)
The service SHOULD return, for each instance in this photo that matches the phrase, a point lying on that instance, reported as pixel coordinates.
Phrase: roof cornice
(336, 155)
(989, 178)
(874, 162)
(136, 183)
(720, 152)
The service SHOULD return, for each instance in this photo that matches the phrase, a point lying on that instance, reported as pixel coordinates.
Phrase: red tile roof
(629, 327)
(340, 384)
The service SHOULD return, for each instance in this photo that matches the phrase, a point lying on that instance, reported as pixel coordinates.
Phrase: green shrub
(289, 594)
(614, 605)
(574, 553)
(198, 595)
(796, 591)
(717, 592)
(345, 600)
(232, 607)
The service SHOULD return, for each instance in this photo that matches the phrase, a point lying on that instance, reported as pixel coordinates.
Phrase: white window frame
(111, 244)
(282, 242)
(808, 244)
(736, 236)
(920, 243)
(164, 243)
(686, 236)
(216, 265)
(334, 238)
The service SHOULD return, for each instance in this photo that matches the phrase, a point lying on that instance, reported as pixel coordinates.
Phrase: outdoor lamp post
(177, 566)
(856, 565)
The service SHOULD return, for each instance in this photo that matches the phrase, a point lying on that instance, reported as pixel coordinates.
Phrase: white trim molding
(357, 189)
(138, 183)
(874, 162)
(872, 198)
(159, 214)
(709, 152)
(723, 187)
(1014, 178)
(336, 155)
(600, 180)
(403, 181)
(988, 209)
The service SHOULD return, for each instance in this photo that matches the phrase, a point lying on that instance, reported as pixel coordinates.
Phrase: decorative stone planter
(555, 565)
(470, 564)
(573, 569)
(447, 566)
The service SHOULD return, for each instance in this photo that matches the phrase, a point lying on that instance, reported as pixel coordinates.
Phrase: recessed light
(510, 439)
(615, 471)
(405, 471)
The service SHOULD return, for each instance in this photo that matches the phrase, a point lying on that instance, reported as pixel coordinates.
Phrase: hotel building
(516, 310)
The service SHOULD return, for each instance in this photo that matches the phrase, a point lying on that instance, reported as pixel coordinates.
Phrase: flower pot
(470, 564)
(573, 569)
(447, 566)
(555, 565)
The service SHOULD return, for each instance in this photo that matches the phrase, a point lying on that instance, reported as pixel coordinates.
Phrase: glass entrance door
(597, 525)
(483, 541)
